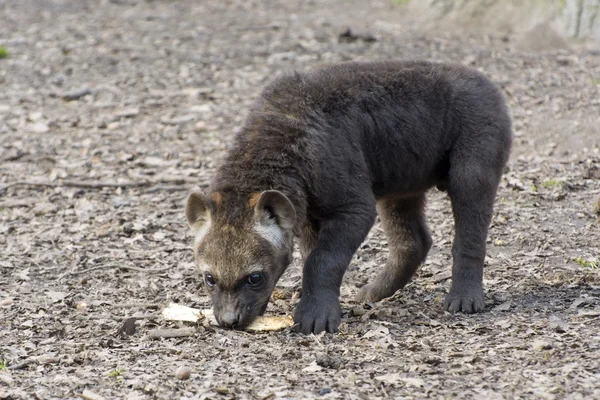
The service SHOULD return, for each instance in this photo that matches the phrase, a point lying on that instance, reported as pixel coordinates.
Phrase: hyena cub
(319, 153)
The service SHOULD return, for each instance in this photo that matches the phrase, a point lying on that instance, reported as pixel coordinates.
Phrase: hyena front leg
(339, 237)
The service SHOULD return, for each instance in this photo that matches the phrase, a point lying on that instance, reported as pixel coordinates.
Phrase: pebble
(76, 94)
(557, 324)
(540, 345)
(39, 127)
(6, 302)
(200, 126)
(127, 113)
(183, 373)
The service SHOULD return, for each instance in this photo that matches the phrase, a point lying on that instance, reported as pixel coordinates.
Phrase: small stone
(324, 391)
(6, 302)
(47, 359)
(557, 324)
(128, 113)
(200, 126)
(183, 373)
(6, 379)
(89, 395)
(35, 116)
(76, 94)
(503, 307)
(222, 390)
(113, 125)
(540, 345)
(331, 362)
(39, 127)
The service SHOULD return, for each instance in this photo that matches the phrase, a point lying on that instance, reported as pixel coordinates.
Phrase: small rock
(56, 296)
(503, 307)
(6, 379)
(312, 367)
(6, 302)
(540, 345)
(557, 324)
(128, 328)
(179, 120)
(127, 113)
(76, 94)
(35, 116)
(324, 391)
(348, 37)
(200, 126)
(113, 125)
(222, 390)
(39, 127)
(47, 359)
(89, 395)
(331, 362)
(183, 373)
(117, 202)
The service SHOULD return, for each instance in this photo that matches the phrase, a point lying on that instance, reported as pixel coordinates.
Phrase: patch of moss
(3, 52)
(586, 263)
(115, 373)
(551, 183)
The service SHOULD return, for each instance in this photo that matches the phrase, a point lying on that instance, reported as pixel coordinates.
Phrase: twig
(166, 188)
(116, 317)
(136, 305)
(155, 185)
(89, 395)
(22, 365)
(171, 333)
(149, 271)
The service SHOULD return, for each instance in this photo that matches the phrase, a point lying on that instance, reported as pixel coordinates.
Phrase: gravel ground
(141, 99)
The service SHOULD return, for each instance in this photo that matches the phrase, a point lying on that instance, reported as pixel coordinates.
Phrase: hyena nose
(229, 319)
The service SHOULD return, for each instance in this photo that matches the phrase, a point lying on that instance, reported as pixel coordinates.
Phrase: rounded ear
(197, 210)
(273, 204)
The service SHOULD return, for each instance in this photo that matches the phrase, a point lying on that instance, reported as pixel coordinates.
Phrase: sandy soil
(169, 83)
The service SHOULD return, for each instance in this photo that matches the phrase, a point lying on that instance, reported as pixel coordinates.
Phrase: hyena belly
(320, 154)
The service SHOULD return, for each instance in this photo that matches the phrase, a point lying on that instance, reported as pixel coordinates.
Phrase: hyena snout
(228, 319)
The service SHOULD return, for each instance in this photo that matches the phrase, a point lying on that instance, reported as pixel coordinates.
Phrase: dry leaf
(312, 367)
(177, 312)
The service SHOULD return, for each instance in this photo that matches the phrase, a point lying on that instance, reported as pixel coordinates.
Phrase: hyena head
(243, 244)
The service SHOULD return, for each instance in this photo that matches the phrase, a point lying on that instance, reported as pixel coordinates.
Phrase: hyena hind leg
(308, 237)
(409, 242)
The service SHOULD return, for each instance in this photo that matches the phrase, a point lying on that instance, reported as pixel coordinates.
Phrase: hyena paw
(371, 293)
(468, 300)
(318, 313)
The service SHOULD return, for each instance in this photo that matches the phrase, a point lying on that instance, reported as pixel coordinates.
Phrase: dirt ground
(169, 83)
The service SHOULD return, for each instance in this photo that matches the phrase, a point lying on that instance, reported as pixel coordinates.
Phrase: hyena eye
(254, 279)
(210, 281)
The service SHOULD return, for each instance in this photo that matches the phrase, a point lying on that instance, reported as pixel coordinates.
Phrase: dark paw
(467, 300)
(317, 313)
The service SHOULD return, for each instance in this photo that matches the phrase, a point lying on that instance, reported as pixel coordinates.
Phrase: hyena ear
(273, 204)
(197, 210)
